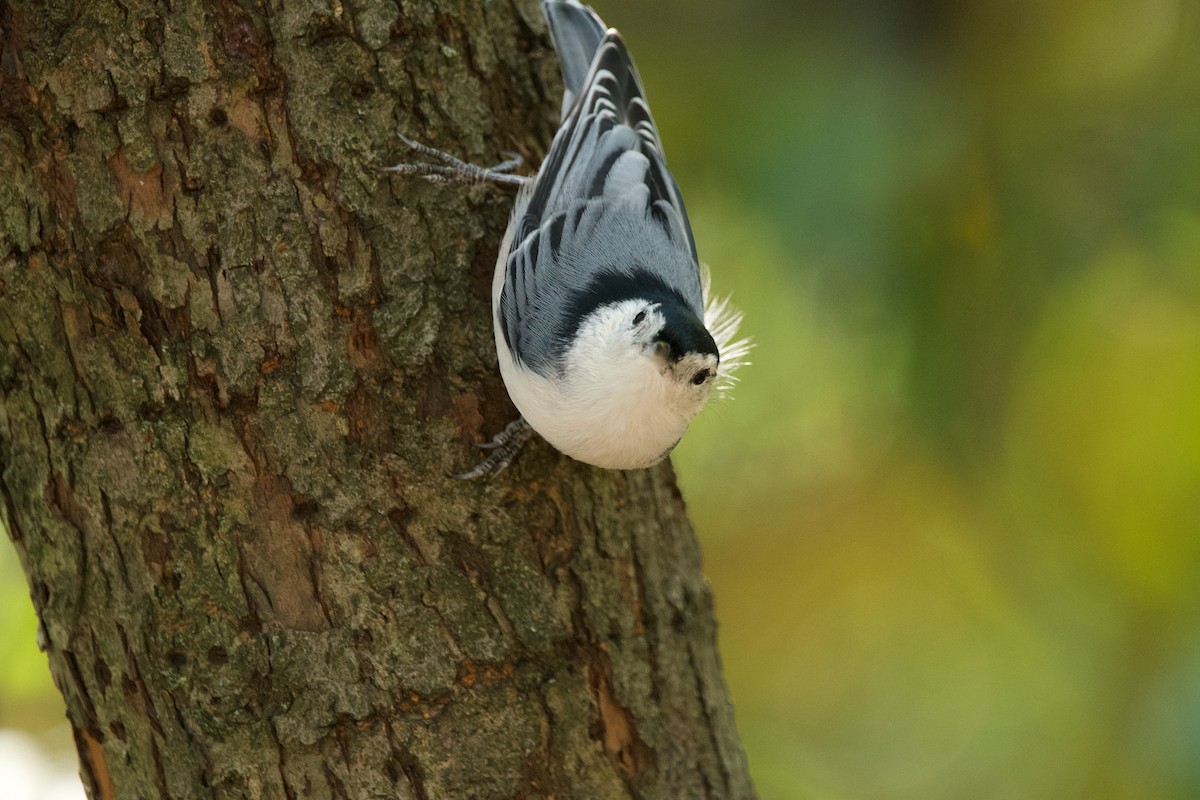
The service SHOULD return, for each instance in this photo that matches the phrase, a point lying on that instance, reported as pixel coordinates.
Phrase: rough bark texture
(236, 364)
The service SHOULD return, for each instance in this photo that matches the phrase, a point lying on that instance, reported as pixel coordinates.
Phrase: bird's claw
(505, 446)
(455, 170)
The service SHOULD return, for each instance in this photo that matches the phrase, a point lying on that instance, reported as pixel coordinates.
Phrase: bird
(608, 337)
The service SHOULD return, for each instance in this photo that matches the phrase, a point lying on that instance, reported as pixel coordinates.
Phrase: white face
(690, 374)
(624, 361)
(623, 399)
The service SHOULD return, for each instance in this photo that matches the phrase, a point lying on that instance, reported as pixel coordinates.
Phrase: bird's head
(639, 370)
(676, 349)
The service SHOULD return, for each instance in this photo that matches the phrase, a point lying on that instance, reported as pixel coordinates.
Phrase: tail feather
(577, 33)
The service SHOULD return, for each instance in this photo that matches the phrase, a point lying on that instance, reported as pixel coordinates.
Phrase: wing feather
(603, 202)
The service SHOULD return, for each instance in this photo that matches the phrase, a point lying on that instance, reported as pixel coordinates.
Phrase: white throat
(616, 405)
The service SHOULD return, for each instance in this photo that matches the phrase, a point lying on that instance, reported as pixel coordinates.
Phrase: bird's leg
(455, 170)
(504, 449)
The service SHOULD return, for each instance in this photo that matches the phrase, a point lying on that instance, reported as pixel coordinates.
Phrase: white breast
(613, 410)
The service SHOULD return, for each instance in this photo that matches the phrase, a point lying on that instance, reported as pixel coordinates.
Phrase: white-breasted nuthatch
(607, 339)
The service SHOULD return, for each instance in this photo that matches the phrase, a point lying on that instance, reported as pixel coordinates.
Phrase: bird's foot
(504, 449)
(455, 170)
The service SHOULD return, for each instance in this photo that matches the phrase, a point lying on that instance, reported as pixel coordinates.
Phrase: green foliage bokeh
(952, 515)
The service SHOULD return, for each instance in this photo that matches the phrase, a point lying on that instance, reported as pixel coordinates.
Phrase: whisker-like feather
(723, 319)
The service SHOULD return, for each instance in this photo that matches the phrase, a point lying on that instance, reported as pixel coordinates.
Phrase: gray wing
(602, 208)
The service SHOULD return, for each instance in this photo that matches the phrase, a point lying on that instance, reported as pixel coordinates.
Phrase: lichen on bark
(237, 364)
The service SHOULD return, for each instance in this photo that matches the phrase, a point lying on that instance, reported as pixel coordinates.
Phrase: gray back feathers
(603, 220)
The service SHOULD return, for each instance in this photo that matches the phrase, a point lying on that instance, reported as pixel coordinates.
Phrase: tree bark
(237, 364)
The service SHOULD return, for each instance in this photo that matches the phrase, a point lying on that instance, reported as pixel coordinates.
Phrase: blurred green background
(952, 514)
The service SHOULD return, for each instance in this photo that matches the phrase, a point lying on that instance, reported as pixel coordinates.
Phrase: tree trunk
(237, 363)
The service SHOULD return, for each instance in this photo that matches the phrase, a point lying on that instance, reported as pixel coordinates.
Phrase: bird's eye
(700, 377)
(637, 320)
